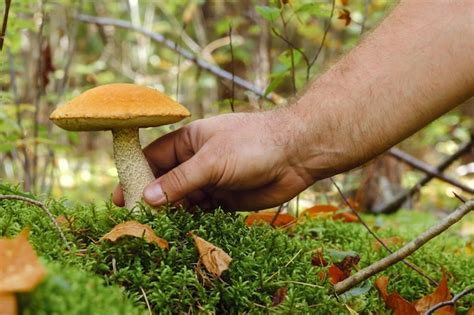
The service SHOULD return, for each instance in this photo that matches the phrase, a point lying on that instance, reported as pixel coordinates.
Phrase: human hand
(245, 161)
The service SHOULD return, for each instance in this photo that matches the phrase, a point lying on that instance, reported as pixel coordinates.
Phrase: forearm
(416, 66)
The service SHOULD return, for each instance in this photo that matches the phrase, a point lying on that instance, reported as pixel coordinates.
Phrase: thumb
(182, 180)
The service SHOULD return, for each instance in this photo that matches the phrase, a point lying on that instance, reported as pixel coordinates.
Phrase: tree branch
(406, 250)
(41, 205)
(396, 203)
(157, 37)
(428, 169)
(453, 301)
(4, 24)
(378, 239)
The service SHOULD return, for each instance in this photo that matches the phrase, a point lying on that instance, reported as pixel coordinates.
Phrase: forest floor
(272, 270)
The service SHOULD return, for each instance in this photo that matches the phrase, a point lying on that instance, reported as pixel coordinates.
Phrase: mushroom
(122, 108)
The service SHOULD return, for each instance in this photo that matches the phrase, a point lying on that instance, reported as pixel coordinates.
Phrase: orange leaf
(344, 2)
(319, 210)
(471, 311)
(214, 258)
(342, 270)
(330, 211)
(283, 220)
(390, 241)
(394, 301)
(346, 16)
(440, 294)
(336, 275)
(20, 270)
(136, 229)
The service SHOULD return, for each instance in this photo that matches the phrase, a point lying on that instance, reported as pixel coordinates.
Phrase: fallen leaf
(389, 241)
(283, 220)
(345, 15)
(136, 229)
(20, 270)
(394, 301)
(318, 259)
(342, 270)
(440, 294)
(279, 296)
(329, 211)
(214, 258)
(471, 311)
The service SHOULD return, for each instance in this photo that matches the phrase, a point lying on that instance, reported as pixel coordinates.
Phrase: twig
(157, 37)
(232, 95)
(407, 263)
(44, 208)
(428, 169)
(146, 301)
(459, 197)
(395, 204)
(453, 301)
(323, 40)
(4, 24)
(406, 250)
(276, 215)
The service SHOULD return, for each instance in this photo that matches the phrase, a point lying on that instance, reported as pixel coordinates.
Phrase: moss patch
(264, 259)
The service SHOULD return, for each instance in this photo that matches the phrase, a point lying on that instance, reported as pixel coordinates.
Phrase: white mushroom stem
(132, 167)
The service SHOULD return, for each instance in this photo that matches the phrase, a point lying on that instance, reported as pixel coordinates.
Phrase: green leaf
(317, 9)
(276, 82)
(268, 13)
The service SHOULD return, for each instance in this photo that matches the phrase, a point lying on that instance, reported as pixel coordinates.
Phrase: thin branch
(407, 263)
(323, 40)
(428, 169)
(44, 208)
(453, 301)
(406, 250)
(289, 43)
(157, 37)
(395, 204)
(4, 24)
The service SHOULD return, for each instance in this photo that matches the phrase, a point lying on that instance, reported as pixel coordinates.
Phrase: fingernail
(154, 195)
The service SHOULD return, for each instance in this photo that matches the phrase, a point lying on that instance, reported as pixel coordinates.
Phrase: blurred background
(212, 56)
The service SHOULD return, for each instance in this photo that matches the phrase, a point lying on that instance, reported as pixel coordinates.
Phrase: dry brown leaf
(279, 296)
(283, 220)
(471, 311)
(318, 259)
(136, 229)
(344, 2)
(342, 270)
(440, 294)
(345, 15)
(20, 271)
(214, 258)
(394, 301)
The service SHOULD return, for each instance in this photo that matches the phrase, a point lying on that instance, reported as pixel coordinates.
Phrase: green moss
(68, 290)
(264, 259)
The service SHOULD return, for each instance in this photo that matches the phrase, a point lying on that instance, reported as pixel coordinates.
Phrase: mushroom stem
(132, 167)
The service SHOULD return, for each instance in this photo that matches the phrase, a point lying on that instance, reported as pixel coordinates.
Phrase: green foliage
(68, 290)
(264, 259)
